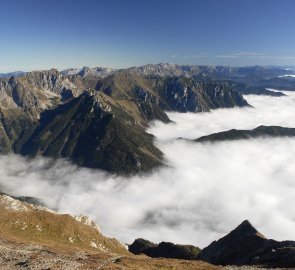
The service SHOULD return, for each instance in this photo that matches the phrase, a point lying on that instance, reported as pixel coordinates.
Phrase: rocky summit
(99, 121)
(246, 246)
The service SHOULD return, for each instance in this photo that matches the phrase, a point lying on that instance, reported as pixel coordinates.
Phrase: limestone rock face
(189, 95)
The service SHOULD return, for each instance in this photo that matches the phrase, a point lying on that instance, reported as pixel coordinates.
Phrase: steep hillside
(27, 222)
(96, 133)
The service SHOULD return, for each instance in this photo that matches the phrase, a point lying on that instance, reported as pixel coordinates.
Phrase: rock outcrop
(164, 250)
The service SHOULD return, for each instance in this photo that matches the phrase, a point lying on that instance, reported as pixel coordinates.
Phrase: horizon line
(138, 66)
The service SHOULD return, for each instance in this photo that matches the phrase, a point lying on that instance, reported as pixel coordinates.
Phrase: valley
(104, 149)
(147, 135)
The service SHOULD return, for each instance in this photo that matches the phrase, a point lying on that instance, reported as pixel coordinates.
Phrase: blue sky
(41, 34)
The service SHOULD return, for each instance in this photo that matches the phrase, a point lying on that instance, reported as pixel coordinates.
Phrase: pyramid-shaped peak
(245, 228)
(246, 224)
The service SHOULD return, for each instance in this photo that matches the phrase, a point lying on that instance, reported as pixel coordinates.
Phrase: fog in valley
(205, 190)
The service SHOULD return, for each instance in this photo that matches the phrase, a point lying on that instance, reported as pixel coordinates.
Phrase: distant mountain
(86, 71)
(255, 78)
(212, 72)
(96, 122)
(246, 246)
(12, 74)
(254, 90)
(262, 91)
(281, 83)
(165, 70)
(236, 134)
(164, 250)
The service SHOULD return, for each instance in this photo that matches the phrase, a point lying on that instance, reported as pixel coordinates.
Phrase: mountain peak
(236, 247)
(245, 228)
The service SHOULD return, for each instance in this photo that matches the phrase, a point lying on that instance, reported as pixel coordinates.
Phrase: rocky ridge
(255, 78)
(50, 114)
(259, 132)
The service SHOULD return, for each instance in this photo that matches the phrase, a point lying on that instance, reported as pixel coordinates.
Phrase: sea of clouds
(204, 192)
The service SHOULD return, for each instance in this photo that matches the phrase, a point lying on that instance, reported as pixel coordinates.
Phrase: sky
(206, 190)
(121, 33)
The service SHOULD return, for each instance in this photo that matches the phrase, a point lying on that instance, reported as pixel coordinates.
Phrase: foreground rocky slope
(99, 122)
(26, 222)
(34, 237)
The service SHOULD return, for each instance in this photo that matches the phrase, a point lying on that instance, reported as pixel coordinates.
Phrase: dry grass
(45, 228)
(146, 263)
(13, 254)
(38, 239)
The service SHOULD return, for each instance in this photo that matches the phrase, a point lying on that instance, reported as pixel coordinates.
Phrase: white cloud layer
(206, 191)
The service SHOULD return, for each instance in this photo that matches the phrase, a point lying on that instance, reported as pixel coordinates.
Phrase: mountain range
(96, 122)
(97, 117)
